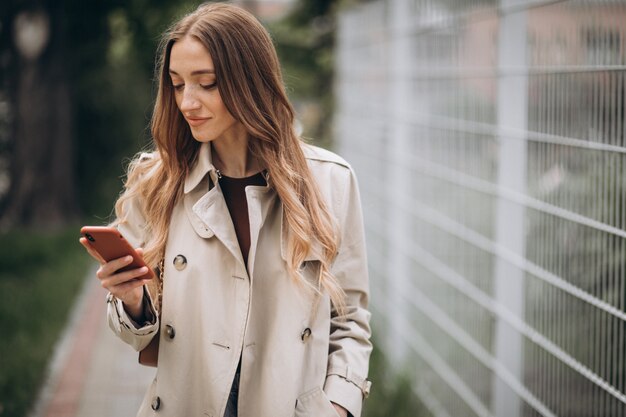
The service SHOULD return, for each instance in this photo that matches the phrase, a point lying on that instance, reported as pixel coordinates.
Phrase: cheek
(218, 103)
(177, 100)
(219, 107)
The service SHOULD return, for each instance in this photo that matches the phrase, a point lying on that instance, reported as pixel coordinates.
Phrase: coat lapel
(212, 211)
(261, 201)
(207, 210)
(209, 215)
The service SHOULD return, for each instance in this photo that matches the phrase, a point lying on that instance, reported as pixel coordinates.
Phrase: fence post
(398, 268)
(512, 115)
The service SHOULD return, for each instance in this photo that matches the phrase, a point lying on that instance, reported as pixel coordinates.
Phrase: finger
(111, 267)
(123, 277)
(91, 250)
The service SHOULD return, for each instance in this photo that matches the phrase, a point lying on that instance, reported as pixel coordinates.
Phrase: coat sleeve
(138, 335)
(350, 347)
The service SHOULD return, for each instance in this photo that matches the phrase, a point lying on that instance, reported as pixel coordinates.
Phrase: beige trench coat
(295, 357)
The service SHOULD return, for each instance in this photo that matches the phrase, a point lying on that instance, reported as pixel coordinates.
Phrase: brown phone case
(110, 244)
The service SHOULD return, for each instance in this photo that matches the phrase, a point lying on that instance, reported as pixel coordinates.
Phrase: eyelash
(179, 87)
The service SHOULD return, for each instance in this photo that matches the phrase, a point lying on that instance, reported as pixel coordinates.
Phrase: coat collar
(202, 166)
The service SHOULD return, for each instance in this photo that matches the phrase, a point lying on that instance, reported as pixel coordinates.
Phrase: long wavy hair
(250, 83)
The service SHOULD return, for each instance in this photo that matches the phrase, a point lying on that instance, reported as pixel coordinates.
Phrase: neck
(232, 157)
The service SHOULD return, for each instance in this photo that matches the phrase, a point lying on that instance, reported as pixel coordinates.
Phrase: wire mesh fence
(489, 138)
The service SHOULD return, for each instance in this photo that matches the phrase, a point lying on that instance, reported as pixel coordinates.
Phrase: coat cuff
(138, 335)
(348, 390)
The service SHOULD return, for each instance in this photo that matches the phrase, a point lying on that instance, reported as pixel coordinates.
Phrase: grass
(40, 275)
(391, 395)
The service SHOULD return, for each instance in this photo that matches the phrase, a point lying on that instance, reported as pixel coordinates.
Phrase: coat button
(156, 403)
(169, 331)
(306, 333)
(180, 262)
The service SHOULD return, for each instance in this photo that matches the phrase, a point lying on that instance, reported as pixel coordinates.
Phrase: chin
(203, 138)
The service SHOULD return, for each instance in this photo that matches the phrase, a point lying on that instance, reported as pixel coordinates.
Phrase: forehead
(189, 55)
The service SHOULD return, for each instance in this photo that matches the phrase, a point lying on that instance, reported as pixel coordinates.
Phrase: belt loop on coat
(363, 383)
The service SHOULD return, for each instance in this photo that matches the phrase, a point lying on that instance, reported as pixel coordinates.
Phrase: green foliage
(391, 395)
(304, 41)
(39, 279)
(113, 67)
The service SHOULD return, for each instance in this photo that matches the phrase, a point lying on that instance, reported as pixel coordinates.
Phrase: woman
(265, 288)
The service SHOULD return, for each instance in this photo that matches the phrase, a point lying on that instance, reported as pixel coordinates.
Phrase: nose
(189, 101)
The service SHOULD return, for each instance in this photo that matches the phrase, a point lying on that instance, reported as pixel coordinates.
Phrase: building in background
(489, 138)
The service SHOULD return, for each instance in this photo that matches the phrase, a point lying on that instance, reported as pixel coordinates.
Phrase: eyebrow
(196, 72)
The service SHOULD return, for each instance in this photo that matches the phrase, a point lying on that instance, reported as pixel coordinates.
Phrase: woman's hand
(122, 285)
(340, 410)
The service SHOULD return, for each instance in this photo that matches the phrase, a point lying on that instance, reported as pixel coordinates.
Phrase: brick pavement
(93, 373)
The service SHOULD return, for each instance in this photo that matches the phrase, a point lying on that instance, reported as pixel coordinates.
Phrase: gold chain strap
(160, 285)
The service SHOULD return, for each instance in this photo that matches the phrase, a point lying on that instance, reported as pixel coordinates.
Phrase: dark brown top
(234, 190)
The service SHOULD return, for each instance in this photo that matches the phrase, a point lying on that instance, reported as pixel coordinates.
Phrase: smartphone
(110, 244)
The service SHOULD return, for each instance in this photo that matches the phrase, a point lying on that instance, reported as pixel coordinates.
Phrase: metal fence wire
(489, 138)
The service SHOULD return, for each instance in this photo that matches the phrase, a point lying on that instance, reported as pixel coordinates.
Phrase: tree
(76, 79)
(41, 177)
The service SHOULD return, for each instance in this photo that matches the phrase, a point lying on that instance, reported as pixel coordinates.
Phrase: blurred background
(489, 138)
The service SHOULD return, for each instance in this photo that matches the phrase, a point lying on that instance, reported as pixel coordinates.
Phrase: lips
(196, 121)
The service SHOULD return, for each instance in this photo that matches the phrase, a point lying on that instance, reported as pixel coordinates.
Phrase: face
(195, 87)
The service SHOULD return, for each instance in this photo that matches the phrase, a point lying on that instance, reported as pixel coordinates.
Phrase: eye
(209, 86)
(178, 87)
